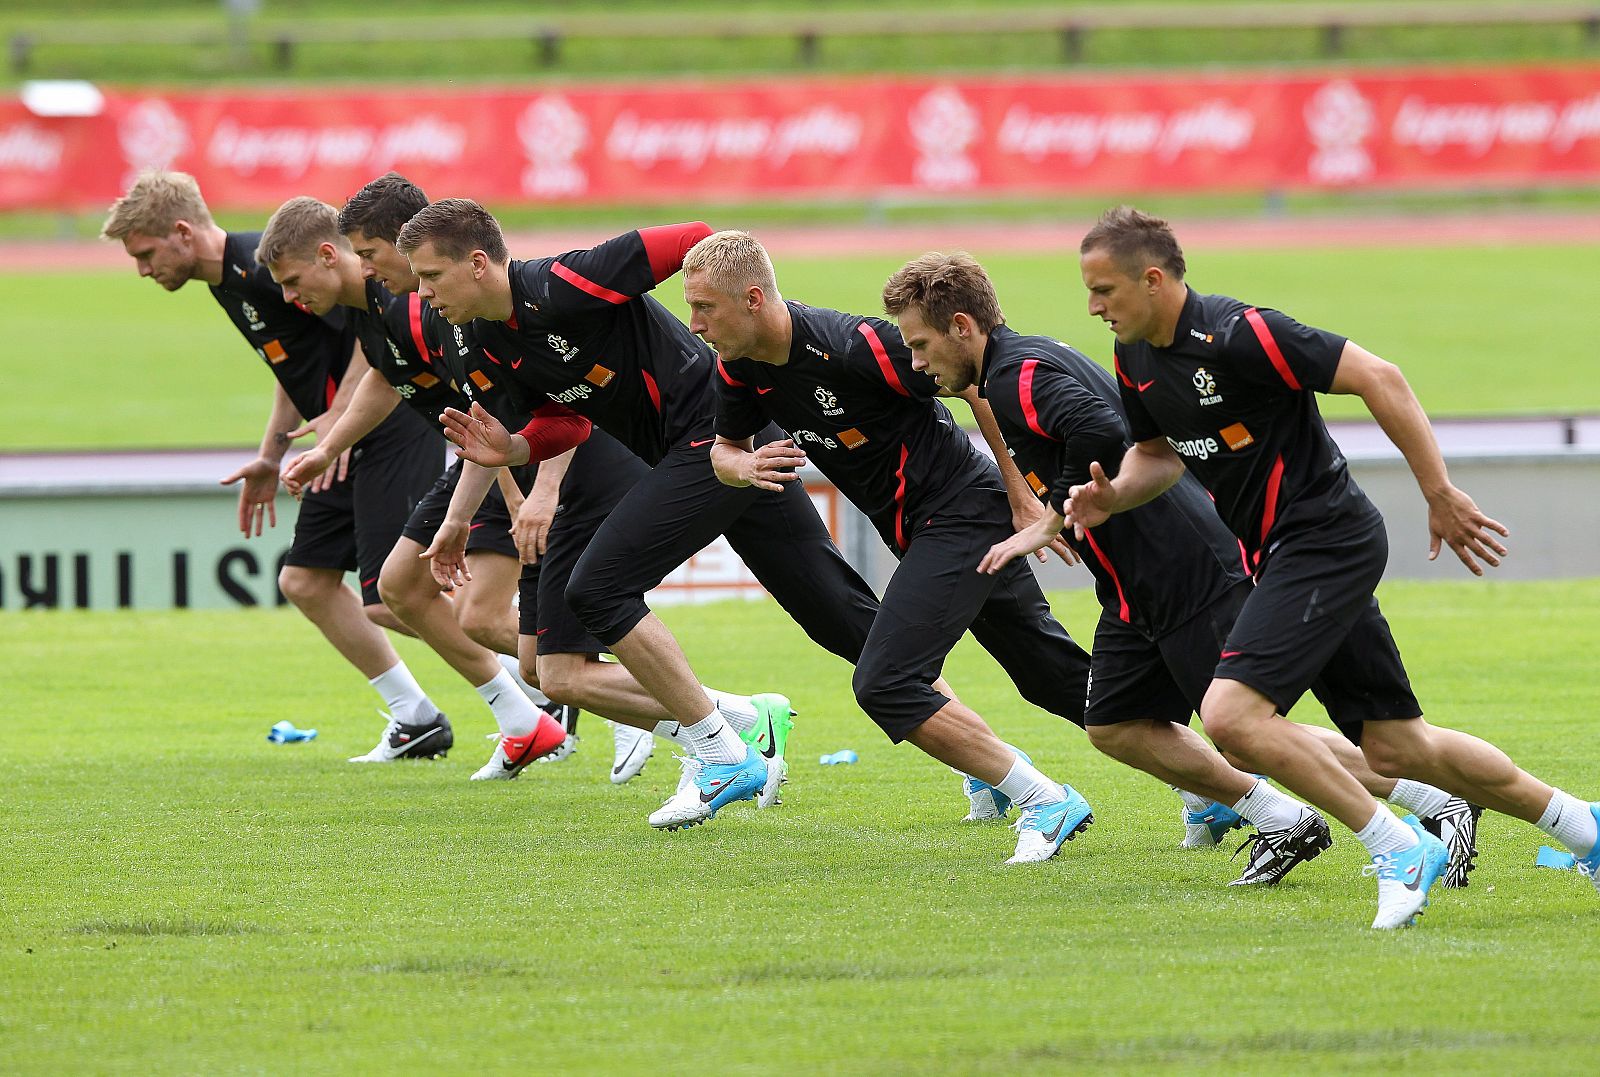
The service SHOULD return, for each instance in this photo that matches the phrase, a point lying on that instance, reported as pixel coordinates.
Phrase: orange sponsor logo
(1038, 487)
(599, 375)
(425, 380)
(1236, 436)
(273, 352)
(851, 438)
(480, 379)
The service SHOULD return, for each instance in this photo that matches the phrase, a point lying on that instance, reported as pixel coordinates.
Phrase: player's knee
(876, 694)
(402, 591)
(481, 622)
(1116, 740)
(1224, 725)
(305, 587)
(1389, 757)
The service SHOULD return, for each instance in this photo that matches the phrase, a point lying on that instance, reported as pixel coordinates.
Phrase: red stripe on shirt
(414, 309)
(650, 387)
(882, 355)
(1117, 363)
(900, 499)
(332, 390)
(1116, 581)
(729, 378)
(1269, 511)
(584, 284)
(1270, 345)
(667, 245)
(1025, 390)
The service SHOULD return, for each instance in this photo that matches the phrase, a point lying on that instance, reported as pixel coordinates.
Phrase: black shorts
(676, 508)
(937, 594)
(1313, 621)
(602, 471)
(353, 525)
(1164, 679)
(491, 524)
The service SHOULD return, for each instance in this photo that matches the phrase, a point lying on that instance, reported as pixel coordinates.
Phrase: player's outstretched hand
(1455, 519)
(256, 496)
(447, 555)
(339, 469)
(1034, 538)
(1092, 503)
(1030, 512)
(478, 436)
(772, 465)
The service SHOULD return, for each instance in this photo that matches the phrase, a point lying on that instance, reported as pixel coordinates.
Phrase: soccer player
(1169, 575)
(843, 387)
(164, 225)
(642, 377)
(1227, 391)
(317, 268)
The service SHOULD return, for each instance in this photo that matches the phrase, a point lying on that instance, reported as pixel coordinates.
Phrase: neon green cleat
(770, 738)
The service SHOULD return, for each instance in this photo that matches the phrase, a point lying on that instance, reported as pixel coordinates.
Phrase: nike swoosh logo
(1230, 654)
(419, 740)
(763, 392)
(620, 767)
(769, 739)
(516, 363)
(697, 444)
(1143, 385)
(1056, 833)
(496, 698)
(688, 361)
(710, 795)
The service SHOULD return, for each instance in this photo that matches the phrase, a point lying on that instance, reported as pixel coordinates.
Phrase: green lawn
(1478, 331)
(703, 48)
(181, 896)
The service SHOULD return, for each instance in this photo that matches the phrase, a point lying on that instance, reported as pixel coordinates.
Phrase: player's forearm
(728, 460)
(283, 419)
(470, 492)
(552, 472)
(1017, 489)
(1147, 472)
(1398, 412)
(371, 403)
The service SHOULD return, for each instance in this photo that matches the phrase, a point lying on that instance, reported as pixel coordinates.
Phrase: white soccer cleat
(633, 750)
(709, 786)
(1043, 828)
(1404, 878)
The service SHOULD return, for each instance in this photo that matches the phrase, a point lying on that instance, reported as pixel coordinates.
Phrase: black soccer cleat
(1456, 824)
(1274, 853)
(405, 740)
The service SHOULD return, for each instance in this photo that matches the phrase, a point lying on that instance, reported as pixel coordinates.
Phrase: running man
(352, 523)
(1226, 390)
(639, 375)
(1169, 576)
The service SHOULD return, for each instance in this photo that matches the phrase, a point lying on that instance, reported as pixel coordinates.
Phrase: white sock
(674, 732)
(1269, 808)
(737, 711)
(1418, 798)
(1192, 801)
(1027, 786)
(514, 667)
(1385, 833)
(402, 694)
(514, 712)
(1569, 821)
(713, 741)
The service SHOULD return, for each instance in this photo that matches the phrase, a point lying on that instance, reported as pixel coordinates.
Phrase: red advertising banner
(681, 141)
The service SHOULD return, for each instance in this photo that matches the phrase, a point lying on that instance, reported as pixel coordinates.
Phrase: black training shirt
(1155, 566)
(307, 354)
(849, 397)
(1235, 396)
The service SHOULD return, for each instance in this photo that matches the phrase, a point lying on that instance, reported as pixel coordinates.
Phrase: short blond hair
(154, 205)
(298, 228)
(732, 262)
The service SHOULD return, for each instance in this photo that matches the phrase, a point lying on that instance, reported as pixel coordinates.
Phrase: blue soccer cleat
(1590, 865)
(1204, 829)
(1044, 828)
(1405, 878)
(985, 802)
(712, 786)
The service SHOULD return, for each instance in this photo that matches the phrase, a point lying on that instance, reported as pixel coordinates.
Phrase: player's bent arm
(372, 402)
(1453, 517)
(470, 491)
(1388, 396)
(1021, 497)
(1149, 469)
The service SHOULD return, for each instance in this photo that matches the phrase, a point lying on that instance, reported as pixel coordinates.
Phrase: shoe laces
(1260, 841)
(1029, 819)
(1383, 866)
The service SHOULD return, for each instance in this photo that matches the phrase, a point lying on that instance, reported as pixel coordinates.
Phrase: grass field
(182, 896)
(1490, 330)
(702, 49)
